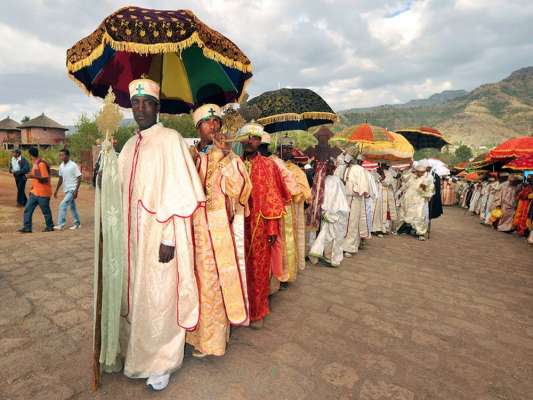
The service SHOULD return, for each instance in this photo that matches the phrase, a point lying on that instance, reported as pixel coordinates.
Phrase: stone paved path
(451, 319)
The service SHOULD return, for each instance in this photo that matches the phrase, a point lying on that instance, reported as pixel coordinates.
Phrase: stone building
(9, 133)
(42, 131)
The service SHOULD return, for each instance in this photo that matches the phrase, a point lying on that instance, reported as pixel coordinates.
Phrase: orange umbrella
(515, 147)
(523, 163)
(472, 177)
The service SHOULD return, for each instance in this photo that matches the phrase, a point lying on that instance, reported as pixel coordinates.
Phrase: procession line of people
(501, 200)
(210, 235)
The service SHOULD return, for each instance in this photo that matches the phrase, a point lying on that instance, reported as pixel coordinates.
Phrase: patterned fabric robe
(525, 201)
(507, 202)
(288, 244)
(357, 187)
(222, 286)
(267, 207)
(298, 212)
(385, 213)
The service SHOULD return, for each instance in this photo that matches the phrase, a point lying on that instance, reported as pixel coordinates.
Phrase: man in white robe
(371, 200)
(357, 189)
(385, 215)
(328, 244)
(417, 191)
(161, 190)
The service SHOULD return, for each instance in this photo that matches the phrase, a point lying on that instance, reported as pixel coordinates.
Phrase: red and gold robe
(267, 207)
(525, 201)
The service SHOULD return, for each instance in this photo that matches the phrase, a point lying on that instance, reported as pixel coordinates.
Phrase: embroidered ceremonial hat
(144, 87)
(250, 129)
(206, 112)
(265, 138)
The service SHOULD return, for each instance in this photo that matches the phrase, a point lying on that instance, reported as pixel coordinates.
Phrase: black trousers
(20, 181)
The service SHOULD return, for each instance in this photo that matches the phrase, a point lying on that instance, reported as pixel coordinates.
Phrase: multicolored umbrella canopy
(290, 109)
(193, 63)
(515, 147)
(523, 163)
(424, 137)
(377, 143)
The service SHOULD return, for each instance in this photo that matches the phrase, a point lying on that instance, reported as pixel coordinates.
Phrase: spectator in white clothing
(70, 179)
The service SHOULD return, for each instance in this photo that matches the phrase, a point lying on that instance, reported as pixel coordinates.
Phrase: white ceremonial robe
(328, 244)
(161, 191)
(357, 187)
(414, 202)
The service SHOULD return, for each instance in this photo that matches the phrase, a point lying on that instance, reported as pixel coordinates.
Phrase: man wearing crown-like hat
(218, 236)
(161, 190)
(263, 225)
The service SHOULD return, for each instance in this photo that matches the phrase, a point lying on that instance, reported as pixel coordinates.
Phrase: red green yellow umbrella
(193, 63)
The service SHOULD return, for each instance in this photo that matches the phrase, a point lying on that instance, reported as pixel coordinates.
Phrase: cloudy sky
(355, 53)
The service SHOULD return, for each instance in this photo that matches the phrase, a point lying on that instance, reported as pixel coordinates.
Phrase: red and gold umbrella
(377, 143)
(523, 163)
(515, 147)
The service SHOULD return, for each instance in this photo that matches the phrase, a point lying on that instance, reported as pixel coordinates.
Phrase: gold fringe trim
(157, 48)
(297, 117)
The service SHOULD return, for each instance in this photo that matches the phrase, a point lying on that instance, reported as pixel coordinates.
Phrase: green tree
(462, 153)
(25, 119)
(85, 136)
(182, 123)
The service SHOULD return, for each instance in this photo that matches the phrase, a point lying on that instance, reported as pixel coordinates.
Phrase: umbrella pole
(97, 345)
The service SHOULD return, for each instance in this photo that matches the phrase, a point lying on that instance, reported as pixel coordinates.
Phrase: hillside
(483, 117)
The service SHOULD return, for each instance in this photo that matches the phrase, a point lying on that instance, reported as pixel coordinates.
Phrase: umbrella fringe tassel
(297, 117)
(157, 48)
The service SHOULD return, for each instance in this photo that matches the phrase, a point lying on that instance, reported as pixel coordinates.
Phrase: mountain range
(482, 117)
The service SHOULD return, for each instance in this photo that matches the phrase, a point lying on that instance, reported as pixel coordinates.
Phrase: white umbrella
(440, 168)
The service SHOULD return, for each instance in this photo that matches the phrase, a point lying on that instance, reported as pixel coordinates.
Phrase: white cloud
(352, 52)
(23, 52)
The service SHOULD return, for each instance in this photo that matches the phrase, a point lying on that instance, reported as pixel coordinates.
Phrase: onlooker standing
(70, 178)
(40, 193)
(19, 167)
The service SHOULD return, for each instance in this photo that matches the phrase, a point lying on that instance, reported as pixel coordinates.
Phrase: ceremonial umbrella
(377, 143)
(523, 163)
(193, 63)
(290, 109)
(515, 147)
(473, 177)
(424, 137)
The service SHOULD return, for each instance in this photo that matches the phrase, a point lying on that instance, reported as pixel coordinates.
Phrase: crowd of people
(41, 188)
(500, 199)
(210, 235)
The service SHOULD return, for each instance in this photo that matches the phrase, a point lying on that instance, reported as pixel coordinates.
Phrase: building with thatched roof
(42, 131)
(9, 133)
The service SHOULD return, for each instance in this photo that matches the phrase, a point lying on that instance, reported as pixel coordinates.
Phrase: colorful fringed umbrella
(515, 147)
(424, 137)
(472, 177)
(290, 109)
(523, 163)
(192, 63)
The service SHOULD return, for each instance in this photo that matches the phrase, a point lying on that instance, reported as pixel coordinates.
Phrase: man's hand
(55, 194)
(166, 253)
(75, 194)
(272, 240)
(422, 186)
(219, 139)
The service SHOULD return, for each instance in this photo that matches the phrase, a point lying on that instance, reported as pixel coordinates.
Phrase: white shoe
(74, 227)
(59, 228)
(422, 238)
(158, 382)
(348, 255)
(313, 260)
(198, 354)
